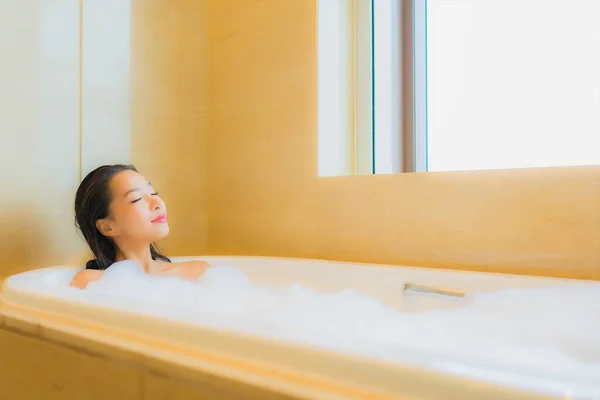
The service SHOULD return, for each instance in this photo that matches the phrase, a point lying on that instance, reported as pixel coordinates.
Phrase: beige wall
(105, 80)
(39, 132)
(64, 109)
(142, 100)
(169, 112)
(265, 198)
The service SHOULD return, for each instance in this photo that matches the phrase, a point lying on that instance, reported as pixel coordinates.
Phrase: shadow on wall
(23, 239)
(30, 238)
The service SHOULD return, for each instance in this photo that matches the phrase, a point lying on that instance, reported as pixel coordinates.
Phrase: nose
(155, 205)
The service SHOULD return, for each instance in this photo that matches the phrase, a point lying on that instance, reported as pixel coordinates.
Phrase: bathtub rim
(467, 381)
(444, 382)
(386, 266)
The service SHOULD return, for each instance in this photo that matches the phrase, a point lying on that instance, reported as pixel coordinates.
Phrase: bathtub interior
(386, 283)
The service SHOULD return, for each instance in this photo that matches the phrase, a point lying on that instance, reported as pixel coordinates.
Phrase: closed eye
(136, 200)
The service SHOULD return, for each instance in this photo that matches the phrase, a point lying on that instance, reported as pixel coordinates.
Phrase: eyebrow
(135, 189)
(131, 190)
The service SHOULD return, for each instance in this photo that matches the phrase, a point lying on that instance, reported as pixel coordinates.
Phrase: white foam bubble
(532, 327)
(555, 330)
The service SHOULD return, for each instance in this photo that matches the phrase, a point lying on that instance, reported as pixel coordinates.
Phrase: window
(438, 85)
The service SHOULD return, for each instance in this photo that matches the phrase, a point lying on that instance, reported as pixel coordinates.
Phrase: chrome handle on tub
(412, 287)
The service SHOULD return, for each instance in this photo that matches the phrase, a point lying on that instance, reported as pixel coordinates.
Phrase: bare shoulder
(191, 269)
(81, 280)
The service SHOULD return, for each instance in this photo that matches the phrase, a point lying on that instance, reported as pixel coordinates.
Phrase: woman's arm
(81, 280)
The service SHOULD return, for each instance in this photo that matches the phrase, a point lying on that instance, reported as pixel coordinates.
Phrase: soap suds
(554, 330)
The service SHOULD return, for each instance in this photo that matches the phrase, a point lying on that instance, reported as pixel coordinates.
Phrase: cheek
(132, 220)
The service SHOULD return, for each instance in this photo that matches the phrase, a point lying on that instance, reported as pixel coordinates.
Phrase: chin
(162, 232)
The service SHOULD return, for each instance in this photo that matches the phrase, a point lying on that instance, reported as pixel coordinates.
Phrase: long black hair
(92, 201)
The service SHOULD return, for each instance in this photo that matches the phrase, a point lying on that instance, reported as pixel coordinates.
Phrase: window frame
(348, 142)
(408, 77)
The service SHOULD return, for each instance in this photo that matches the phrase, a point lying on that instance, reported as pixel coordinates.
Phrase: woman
(120, 216)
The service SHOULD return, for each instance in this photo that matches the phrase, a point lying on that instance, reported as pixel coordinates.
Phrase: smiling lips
(160, 219)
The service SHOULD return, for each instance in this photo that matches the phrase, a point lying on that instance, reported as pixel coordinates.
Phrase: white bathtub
(311, 370)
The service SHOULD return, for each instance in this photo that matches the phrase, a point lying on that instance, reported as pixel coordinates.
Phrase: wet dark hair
(92, 201)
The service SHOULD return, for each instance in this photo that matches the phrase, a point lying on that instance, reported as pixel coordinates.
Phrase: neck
(139, 253)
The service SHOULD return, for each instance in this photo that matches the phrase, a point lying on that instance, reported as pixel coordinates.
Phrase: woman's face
(136, 213)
